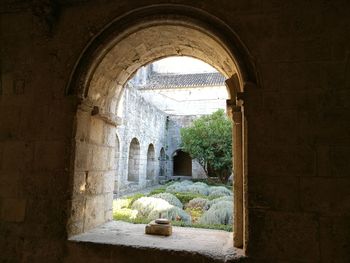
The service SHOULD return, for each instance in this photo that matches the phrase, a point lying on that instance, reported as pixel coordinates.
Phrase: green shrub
(177, 188)
(186, 182)
(145, 205)
(151, 207)
(186, 197)
(220, 213)
(157, 191)
(173, 213)
(120, 203)
(201, 184)
(198, 189)
(198, 202)
(219, 189)
(170, 198)
(125, 214)
(134, 197)
(217, 200)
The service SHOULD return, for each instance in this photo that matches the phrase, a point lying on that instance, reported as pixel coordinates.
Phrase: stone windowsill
(213, 244)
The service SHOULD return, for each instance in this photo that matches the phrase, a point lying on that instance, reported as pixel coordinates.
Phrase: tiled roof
(161, 80)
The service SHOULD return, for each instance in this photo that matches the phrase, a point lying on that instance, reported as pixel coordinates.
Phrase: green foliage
(198, 189)
(170, 198)
(195, 213)
(209, 140)
(220, 213)
(217, 200)
(177, 188)
(218, 191)
(125, 214)
(157, 191)
(140, 209)
(197, 203)
(186, 197)
(134, 197)
(151, 207)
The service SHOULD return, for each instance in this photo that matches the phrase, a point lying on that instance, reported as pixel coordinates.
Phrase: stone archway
(134, 161)
(112, 58)
(182, 164)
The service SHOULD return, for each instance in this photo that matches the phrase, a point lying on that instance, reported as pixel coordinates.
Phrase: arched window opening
(99, 80)
(150, 174)
(134, 161)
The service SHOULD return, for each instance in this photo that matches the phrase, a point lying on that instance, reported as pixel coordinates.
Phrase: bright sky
(181, 65)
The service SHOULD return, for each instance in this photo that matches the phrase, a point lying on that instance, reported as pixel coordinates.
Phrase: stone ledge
(215, 245)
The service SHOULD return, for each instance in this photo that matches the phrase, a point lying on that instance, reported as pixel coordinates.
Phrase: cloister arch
(150, 170)
(114, 55)
(182, 163)
(134, 161)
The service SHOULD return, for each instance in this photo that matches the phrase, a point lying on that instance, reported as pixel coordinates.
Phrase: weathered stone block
(50, 155)
(82, 125)
(276, 193)
(283, 236)
(17, 156)
(94, 183)
(13, 209)
(96, 130)
(94, 212)
(340, 164)
(99, 159)
(108, 179)
(335, 239)
(325, 195)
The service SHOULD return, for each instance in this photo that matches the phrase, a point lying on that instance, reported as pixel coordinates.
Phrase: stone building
(153, 109)
(64, 64)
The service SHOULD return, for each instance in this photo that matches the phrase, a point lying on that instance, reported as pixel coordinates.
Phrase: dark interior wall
(298, 125)
(182, 164)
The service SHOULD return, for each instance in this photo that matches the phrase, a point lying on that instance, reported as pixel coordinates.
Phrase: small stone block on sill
(154, 228)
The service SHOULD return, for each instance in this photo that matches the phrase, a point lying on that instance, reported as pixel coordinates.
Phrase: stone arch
(114, 55)
(162, 162)
(150, 170)
(182, 163)
(134, 161)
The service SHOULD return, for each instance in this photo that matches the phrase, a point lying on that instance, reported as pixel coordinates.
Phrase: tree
(209, 140)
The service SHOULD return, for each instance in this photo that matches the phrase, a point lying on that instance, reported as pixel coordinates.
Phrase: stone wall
(298, 129)
(144, 123)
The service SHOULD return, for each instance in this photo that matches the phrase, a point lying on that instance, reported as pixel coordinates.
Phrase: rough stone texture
(143, 122)
(298, 125)
(206, 245)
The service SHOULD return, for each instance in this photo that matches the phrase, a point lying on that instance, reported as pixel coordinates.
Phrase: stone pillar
(235, 110)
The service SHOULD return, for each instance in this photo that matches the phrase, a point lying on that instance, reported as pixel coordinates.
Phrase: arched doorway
(134, 161)
(182, 164)
(150, 171)
(134, 40)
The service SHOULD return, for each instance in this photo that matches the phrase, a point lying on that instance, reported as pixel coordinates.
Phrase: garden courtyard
(199, 204)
